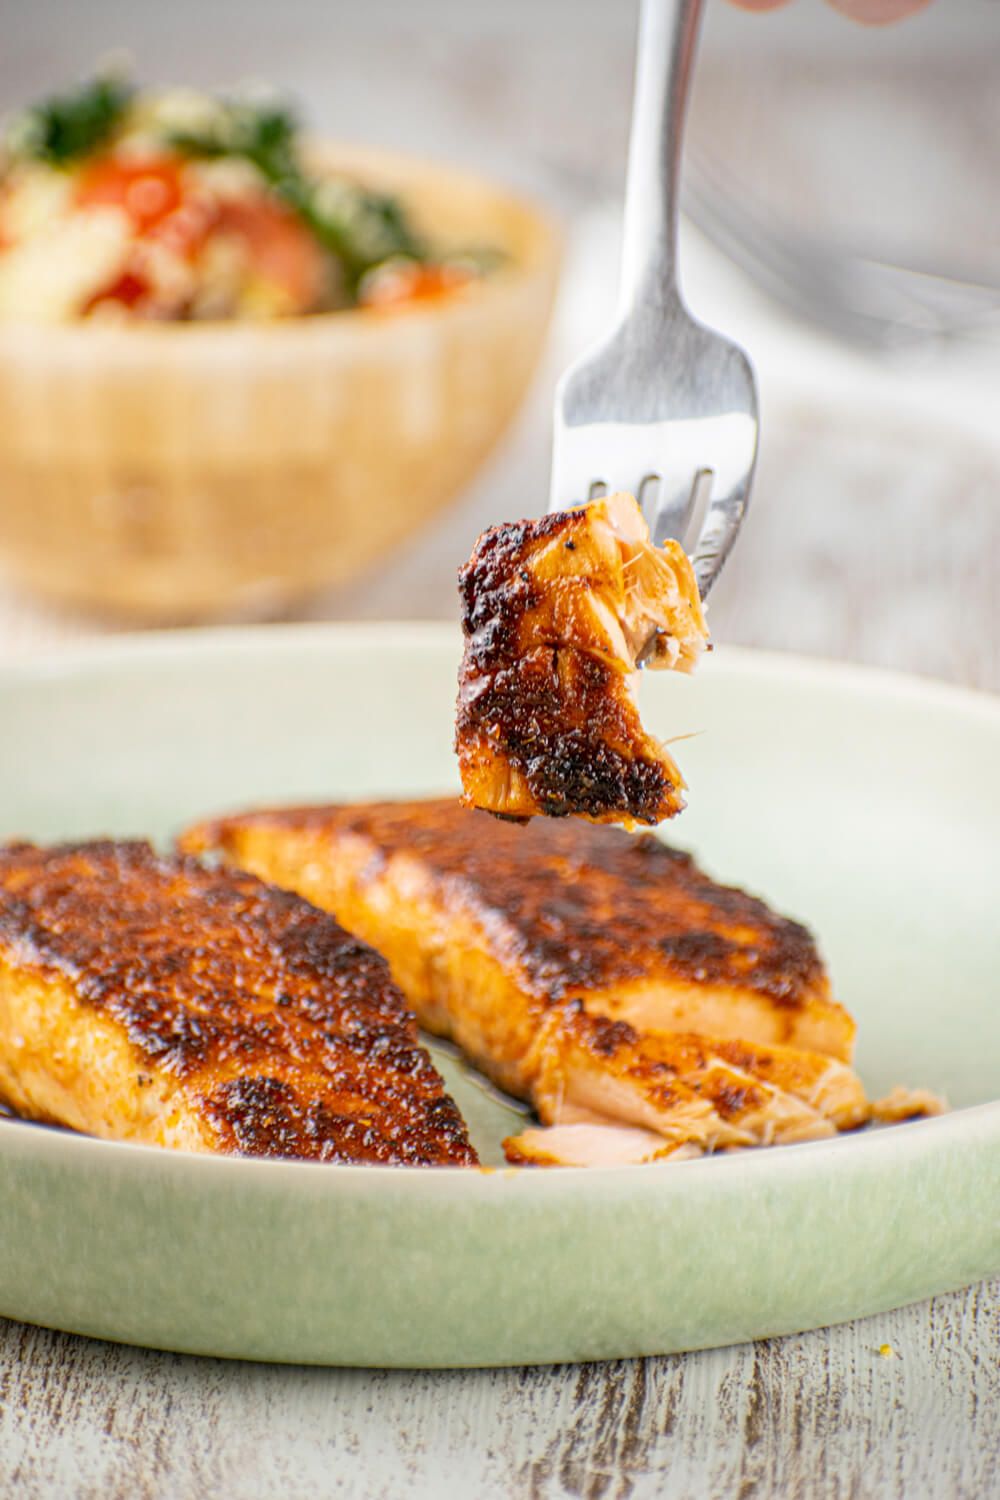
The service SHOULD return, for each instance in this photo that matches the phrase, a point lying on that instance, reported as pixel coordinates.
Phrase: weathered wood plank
(818, 1414)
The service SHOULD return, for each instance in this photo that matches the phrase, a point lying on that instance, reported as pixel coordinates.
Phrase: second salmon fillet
(603, 977)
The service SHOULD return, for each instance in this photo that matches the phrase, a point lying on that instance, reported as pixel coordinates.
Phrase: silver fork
(663, 407)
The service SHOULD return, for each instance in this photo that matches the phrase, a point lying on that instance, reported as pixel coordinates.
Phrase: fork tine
(723, 518)
(701, 495)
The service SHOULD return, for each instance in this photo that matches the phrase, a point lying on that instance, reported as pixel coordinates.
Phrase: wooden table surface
(823, 1414)
(871, 540)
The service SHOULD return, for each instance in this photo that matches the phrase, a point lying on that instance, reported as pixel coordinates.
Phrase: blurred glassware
(853, 173)
(857, 297)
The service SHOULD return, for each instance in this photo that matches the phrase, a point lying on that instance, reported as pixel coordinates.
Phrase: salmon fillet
(557, 614)
(603, 977)
(150, 999)
(601, 1086)
(554, 910)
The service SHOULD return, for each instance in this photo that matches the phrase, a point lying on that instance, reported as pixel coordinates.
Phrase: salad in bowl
(177, 205)
(238, 365)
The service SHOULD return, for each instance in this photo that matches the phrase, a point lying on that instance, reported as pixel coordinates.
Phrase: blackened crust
(577, 907)
(287, 1034)
(556, 716)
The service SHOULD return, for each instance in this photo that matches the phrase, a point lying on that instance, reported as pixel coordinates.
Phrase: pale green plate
(865, 803)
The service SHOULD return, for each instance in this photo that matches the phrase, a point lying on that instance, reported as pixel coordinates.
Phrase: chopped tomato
(279, 246)
(395, 284)
(163, 206)
(148, 189)
(128, 290)
(151, 190)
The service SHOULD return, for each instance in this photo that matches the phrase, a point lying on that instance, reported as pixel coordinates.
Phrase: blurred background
(842, 195)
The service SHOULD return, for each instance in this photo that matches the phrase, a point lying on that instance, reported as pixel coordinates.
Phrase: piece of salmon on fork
(560, 611)
(558, 614)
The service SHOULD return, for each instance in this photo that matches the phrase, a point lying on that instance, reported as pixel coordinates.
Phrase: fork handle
(668, 36)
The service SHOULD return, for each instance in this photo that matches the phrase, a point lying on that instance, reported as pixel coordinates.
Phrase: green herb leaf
(69, 126)
(359, 228)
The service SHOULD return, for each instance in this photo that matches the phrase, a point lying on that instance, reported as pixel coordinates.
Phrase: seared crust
(567, 910)
(705, 1090)
(547, 720)
(574, 906)
(270, 1030)
(562, 724)
(644, 1011)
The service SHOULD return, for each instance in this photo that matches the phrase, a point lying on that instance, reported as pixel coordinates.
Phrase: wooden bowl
(175, 472)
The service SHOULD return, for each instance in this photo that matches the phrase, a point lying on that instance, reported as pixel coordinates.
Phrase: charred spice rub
(265, 1026)
(554, 613)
